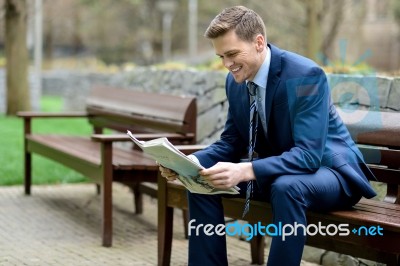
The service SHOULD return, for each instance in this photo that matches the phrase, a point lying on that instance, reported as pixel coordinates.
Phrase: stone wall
(208, 86)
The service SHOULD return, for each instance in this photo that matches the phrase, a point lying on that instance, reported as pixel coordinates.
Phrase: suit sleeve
(308, 101)
(226, 149)
(231, 145)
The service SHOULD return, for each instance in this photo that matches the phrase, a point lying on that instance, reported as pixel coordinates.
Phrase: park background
(53, 51)
(61, 48)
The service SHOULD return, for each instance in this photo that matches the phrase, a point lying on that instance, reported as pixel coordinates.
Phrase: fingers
(218, 180)
(169, 174)
(216, 169)
(220, 175)
(215, 174)
(221, 183)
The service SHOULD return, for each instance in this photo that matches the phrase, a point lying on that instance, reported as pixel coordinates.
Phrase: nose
(228, 63)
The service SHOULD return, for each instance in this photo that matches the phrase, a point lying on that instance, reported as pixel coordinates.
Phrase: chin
(238, 79)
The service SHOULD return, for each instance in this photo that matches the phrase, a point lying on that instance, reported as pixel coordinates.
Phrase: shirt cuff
(194, 158)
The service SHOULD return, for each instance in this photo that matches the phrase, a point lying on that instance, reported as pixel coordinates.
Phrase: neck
(261, 57)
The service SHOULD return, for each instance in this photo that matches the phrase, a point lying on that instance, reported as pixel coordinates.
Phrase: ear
(260, 43)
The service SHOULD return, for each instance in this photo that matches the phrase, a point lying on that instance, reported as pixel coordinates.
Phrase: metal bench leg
(137, 198)
(185, 216)
(28, 158)
(257, 245)
(106, 194)
(28, 172)
(165, 224)
(98, 189)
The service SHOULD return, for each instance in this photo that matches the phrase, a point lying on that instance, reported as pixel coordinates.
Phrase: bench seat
(83, 149)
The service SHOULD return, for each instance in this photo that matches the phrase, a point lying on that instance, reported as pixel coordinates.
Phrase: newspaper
(166, 154)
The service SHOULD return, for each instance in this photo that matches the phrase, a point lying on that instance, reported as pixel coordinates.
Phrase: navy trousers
(290, 197)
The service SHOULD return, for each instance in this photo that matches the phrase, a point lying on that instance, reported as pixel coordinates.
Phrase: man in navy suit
(305, 158)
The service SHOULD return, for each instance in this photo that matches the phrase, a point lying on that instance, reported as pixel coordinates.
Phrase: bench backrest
(141, 112)
(378, 137)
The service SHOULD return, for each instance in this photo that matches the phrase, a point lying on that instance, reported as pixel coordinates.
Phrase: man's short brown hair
(245, 22)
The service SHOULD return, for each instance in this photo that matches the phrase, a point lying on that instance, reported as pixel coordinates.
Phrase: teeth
(235, 69)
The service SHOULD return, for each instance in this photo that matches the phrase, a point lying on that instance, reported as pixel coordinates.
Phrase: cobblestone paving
(60, 225)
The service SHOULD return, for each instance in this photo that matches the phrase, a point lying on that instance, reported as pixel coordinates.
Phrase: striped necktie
(252, 88)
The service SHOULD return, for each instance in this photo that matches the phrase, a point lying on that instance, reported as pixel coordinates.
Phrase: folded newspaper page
(166, 154)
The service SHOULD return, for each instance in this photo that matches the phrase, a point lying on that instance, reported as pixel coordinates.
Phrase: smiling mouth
(233, 70)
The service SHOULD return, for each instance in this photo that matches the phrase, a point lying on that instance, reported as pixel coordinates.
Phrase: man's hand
(169, 174)
(227, 175)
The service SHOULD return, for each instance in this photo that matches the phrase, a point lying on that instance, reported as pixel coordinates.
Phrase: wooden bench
(147, 115)
(378, 136)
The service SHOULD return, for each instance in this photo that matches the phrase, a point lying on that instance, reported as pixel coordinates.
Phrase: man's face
(241, 58)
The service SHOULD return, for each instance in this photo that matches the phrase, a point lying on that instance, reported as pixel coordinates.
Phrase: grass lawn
(45, 171)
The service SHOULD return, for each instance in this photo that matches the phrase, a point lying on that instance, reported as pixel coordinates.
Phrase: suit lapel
(273, 81)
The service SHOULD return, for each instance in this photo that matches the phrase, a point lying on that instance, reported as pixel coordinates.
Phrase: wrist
(248, 171)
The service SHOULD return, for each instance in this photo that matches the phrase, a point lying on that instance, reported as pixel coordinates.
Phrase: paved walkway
(60, 225)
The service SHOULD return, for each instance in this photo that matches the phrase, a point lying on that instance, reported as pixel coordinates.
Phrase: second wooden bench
(147, 115)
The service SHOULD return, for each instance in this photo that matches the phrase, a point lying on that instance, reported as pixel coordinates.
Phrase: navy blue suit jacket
(304, 130)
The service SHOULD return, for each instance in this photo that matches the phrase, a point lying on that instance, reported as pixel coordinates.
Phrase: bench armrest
(110, 138)
(27, 114)
(140, 136)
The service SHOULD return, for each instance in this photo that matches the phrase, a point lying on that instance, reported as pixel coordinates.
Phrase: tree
(16, 56)
(396, 11)
(314, 30)
(317, 11)
(337, 12)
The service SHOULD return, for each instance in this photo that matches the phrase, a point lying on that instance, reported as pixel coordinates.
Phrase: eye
(233, 54)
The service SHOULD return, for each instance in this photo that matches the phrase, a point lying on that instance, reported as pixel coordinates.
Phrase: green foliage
(45, 171)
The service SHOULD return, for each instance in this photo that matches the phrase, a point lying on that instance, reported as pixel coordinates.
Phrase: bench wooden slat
(128, 121)
(380, 204)
(389, 176)
(115, 105)
(372, 127)
(74, 148)
(171, 107)
(86, 150)
(144, 137)
(381, 156)
(361, 217)
(381, 211)
(71, 114)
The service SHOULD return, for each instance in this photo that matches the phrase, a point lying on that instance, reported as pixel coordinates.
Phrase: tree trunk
(314, 28)
(338, 8)
(16, 56)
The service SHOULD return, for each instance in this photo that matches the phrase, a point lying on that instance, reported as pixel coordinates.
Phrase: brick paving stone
(60, 225)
